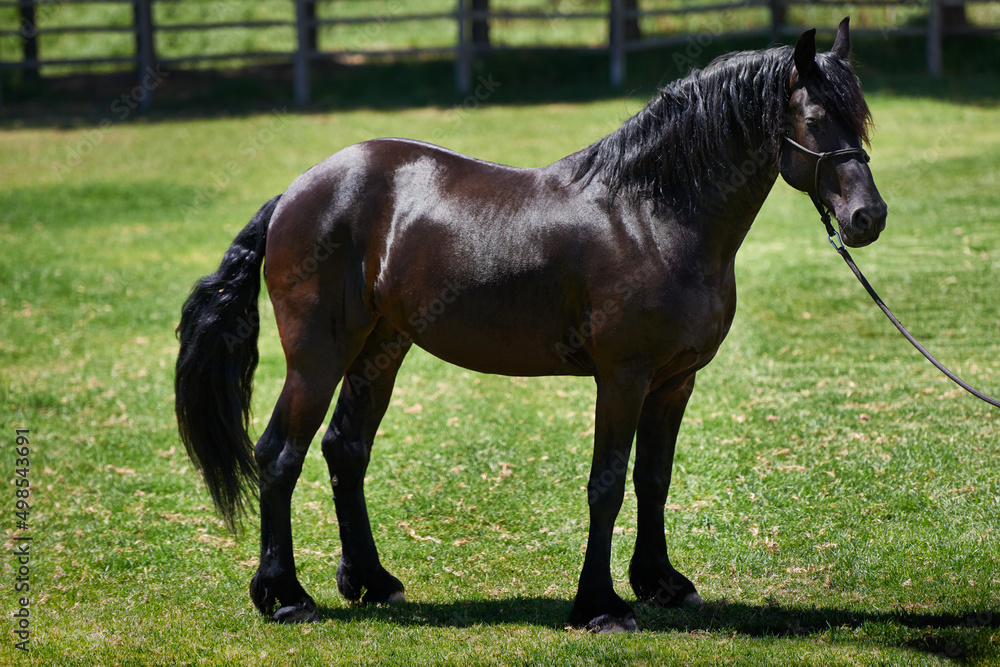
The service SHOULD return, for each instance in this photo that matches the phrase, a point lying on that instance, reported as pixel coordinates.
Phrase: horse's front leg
(619, 401)
(651, 575)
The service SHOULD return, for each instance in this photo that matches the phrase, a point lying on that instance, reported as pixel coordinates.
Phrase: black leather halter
(824, 213)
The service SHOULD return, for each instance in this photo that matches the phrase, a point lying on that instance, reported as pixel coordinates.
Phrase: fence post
(29, 40)
(312, 30)
(778, 13)
(481, 24)
(142, 14)
(306, 35)
(463, 50)
(934, 64)
(616, 42)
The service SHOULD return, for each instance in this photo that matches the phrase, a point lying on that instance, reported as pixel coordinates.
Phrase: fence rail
(35, 20)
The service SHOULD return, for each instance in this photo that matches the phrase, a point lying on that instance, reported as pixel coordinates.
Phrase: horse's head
(826, 123)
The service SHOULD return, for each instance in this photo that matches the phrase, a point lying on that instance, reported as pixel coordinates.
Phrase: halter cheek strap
(824, 213)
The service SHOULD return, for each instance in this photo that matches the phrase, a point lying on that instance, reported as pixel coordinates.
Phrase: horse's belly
(522, 363)
(498, 331)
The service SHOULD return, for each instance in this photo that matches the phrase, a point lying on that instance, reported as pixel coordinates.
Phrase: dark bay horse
(615, 262)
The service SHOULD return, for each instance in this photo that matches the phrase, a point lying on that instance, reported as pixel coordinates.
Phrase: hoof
(383, 597)
(349, 583)
(692, 600)
(602, 614)
(304, 612)
(378, 585)
(606, 624)
(676, 594)
(396, 598)
(265, 599)
(666, 589)
(262, 595)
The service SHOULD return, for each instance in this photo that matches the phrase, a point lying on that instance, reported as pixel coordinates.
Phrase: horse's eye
(812, 121)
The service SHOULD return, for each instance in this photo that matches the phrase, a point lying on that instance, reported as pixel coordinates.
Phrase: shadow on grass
(948, 634)
(544, 612)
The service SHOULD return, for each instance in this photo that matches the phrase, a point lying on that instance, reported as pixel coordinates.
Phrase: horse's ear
(805, 53)
(842, 45)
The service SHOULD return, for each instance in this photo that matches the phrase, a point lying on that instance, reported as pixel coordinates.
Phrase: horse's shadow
(944, 634)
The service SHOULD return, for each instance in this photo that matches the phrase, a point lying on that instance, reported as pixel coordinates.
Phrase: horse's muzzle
(867, 223)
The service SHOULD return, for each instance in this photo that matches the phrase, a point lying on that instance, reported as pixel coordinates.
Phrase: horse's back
(366, 187)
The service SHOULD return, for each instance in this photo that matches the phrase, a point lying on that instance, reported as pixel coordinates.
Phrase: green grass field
(835, 500)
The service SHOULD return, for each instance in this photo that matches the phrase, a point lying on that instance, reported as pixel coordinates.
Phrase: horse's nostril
(861, 220)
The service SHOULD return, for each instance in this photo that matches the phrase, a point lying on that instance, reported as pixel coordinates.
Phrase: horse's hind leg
(316, 362)
(651, 575)
(347, 447)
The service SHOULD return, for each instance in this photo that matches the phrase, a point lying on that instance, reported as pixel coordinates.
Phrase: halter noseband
(824, 213)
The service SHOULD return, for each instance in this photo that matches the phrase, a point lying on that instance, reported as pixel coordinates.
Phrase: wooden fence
(33, 23)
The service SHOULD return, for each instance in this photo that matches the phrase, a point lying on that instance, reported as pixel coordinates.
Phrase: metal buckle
(838, 245)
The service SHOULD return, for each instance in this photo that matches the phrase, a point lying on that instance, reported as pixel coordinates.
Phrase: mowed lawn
(836, 501)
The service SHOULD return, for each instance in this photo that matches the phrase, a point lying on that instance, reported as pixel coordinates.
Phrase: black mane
(701, 128)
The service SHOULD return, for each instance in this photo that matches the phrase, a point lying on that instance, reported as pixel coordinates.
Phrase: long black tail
(214, 376)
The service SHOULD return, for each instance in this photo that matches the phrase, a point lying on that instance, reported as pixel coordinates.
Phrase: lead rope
(838, 245)
(842, 251)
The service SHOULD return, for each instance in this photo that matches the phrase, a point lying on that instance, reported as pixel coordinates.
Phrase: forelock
(839, 91)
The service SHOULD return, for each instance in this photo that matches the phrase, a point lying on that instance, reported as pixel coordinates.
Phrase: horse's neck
(730, 204)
